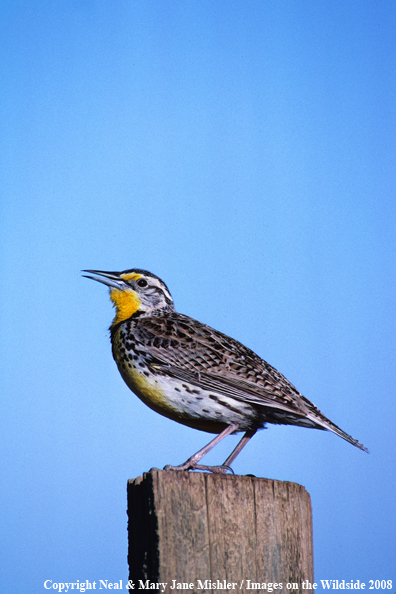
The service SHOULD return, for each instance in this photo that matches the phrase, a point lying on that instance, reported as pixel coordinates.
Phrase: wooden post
(198, 528)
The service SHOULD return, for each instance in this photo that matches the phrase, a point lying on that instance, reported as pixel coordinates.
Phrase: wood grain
(199, 526)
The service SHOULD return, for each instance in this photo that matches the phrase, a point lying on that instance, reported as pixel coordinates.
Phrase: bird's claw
(214, 469)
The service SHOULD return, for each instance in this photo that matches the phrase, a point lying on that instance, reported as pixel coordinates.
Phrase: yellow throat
(126, 303)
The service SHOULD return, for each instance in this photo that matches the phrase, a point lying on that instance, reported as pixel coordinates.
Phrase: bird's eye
(142, 282)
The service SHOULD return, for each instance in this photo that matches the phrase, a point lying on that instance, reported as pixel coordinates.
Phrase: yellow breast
(156, 391)
(148, 389)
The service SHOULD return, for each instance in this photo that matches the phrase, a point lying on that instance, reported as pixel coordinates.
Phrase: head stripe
(130, 276)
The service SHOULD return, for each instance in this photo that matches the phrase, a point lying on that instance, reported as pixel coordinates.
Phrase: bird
(196, 375)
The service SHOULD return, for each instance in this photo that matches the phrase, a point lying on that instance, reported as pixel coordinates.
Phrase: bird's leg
(248, 435)
(192, 463)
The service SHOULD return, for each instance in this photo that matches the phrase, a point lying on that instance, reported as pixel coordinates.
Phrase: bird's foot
(215, 469)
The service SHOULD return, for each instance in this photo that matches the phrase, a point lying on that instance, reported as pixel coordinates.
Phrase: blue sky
(245, 153)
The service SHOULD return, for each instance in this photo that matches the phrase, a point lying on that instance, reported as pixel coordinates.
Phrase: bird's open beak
(111, 279)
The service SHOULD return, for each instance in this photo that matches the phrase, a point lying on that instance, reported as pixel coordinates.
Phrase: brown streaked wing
(193, 352)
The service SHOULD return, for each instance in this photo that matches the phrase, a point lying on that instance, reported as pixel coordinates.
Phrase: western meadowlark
(194, 374)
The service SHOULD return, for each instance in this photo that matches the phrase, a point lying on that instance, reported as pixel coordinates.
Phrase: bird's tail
(323, 422)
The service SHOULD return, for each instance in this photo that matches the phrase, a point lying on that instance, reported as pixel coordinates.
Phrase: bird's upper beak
(111, 279)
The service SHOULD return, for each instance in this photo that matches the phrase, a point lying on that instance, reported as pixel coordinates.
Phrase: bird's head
(133, 291)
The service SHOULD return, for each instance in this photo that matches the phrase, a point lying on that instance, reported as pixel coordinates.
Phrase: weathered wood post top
(202, 532)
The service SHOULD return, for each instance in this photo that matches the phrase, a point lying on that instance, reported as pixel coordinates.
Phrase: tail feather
(335, 429)
(323, 422)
